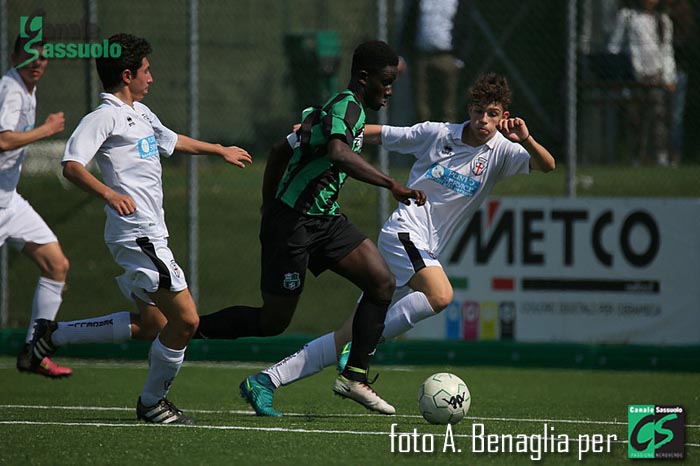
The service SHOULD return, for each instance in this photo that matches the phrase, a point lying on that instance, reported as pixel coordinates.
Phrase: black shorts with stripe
(292, 242)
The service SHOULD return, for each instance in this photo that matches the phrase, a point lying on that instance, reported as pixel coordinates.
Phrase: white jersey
(455, 177)
(17, 114)
(127, 143)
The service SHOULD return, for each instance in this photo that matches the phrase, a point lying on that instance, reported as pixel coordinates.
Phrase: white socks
(309, 360)
(164, 365)
(321, 352)
(113, 328)
(47, 300)
(405, 313)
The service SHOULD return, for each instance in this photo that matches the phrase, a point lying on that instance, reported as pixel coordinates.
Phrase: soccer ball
(444, 399)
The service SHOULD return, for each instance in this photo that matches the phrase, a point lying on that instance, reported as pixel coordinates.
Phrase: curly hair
(133, 51)
(372, 56)
(491, 88)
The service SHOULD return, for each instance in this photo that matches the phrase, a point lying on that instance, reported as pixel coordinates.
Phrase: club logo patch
(175, 268)
(291, 281)
(479, 165)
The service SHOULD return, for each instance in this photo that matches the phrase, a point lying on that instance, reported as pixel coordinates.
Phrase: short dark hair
(20, 42)
(134, 50)
(373, 56)
(491, 88)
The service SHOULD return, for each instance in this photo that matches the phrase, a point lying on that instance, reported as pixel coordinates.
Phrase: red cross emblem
(479, 166)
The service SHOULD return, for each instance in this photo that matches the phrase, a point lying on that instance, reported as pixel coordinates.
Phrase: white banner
(574, 270)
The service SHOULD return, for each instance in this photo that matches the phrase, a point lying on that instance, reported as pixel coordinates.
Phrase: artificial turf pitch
(90, 417)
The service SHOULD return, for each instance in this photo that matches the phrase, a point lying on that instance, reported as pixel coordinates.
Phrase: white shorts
(148, 265)
(405, 255)
(20, 224)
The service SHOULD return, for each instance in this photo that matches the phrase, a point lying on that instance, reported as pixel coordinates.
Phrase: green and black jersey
(311, 183)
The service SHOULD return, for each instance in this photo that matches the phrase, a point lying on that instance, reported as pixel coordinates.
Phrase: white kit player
(20, 224)
(457, 166)
(127, 140)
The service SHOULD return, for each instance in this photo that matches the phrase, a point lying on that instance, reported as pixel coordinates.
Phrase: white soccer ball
(444, 399)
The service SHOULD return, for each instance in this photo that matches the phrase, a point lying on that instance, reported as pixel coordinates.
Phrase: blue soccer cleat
(258, 390)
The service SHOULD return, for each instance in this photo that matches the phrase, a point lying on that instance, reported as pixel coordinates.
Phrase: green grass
(229, 248)
(41, 422)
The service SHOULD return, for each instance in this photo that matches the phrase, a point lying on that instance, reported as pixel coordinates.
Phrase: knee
(190, 323)
(57, 269)
(383, 288)
(440, 300)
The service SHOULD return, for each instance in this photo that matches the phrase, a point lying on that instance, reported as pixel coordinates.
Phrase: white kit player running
(20, 225)
(127, 140)
(457, 166)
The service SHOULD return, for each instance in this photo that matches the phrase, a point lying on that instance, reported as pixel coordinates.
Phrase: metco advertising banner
(574, 270)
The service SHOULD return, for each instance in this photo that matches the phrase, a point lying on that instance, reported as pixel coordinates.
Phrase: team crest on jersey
(479, 165)
(175, 268)
(291, 281)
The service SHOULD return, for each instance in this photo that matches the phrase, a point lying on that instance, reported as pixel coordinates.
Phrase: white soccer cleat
(363, 394)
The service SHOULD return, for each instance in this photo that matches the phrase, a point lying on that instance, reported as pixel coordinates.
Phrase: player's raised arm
(232, 154)
(357, 167)
(516, 130)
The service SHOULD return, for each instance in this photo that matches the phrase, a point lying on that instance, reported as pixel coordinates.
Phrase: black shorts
(292, 242)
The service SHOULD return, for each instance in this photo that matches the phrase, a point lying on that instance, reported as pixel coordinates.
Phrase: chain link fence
(260, 63)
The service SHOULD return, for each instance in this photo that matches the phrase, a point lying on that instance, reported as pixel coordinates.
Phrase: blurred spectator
(646, 34)
(434, 40)
(683, 19)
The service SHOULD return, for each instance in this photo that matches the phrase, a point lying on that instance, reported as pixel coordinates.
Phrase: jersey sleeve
(516, 161)
(92, 131)
(165, 137)
(415, 140)
(343, 119)
(10, 108)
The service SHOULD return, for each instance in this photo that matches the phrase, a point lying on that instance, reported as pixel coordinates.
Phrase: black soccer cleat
(163, 412)
(41, 347)
(34, 357)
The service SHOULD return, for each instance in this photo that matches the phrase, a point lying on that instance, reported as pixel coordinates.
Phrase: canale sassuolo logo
(31, 28)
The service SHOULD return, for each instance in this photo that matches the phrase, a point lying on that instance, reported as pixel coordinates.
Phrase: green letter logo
(30, 28)
(655, 432)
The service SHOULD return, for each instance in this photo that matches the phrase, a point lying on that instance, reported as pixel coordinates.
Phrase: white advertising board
(574, 270)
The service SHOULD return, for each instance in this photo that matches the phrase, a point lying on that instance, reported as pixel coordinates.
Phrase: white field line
(322, 415)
